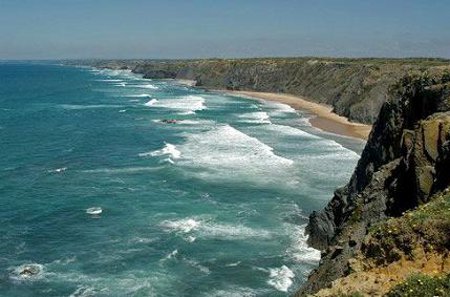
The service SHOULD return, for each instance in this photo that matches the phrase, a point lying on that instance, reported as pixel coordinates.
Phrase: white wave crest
(259, 117)
(171, 255)
(225, 152)
(281, 278)
(299, 250)
(139, 96)
(184, 225)
(233, 264)
(227, 231)
(151, 102)
(146, 86)
(185, 105)
(191, 238)
(205, 228)
(94, 210)
(57, 170)
(168, 149)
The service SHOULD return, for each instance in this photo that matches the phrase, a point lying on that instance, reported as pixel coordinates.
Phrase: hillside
(356, 88)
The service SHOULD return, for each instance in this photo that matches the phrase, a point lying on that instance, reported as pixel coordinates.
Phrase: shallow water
(100, 197)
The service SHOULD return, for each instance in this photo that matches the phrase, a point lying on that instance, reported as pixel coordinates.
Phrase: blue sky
(45, 29)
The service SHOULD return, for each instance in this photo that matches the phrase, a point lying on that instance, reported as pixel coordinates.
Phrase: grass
(422, 286)
(427, 226)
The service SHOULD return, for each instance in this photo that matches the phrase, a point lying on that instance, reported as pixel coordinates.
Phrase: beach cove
(324, 118)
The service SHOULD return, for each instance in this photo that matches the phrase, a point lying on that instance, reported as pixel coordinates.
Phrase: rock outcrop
(405, 162)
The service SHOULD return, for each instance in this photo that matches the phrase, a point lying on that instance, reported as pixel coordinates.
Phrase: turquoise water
(214, 205)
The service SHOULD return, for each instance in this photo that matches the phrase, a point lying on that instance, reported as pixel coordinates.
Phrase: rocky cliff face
(405, 162)
(355, 88)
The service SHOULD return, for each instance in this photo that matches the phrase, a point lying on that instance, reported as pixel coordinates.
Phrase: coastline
(325, 119)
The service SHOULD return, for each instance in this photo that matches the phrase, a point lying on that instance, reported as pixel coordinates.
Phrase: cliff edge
(404, 167)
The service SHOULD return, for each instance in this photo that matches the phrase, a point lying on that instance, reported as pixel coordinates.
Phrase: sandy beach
(325, 118)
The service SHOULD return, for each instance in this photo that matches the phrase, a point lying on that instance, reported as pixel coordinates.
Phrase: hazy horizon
(136, 29)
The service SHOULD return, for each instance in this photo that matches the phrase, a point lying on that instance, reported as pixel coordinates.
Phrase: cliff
(403, 173)
(356, 88)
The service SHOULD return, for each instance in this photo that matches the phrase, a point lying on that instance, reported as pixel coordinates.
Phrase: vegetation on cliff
(422, 286)
(382, 226)
(415, 245)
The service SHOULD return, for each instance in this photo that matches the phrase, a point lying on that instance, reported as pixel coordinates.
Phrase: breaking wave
(207, 228)
(281, 278)
(184, 105)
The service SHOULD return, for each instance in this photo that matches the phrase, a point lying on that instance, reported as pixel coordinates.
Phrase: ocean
(115, 185)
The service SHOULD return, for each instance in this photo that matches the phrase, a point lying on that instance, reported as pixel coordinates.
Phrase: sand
(325, 119)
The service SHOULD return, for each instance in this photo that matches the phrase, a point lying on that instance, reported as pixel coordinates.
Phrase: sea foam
(151, 102)
(57, 170)
(281, 278)
(225, 152)
(146, 86)
(184, 105)
(259, 117)
(139, 96)
(183, 225)
(27, 272)
(299, 250)
(168, 150)
(208, 228)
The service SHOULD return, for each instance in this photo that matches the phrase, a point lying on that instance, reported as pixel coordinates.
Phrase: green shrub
(428, 227)
(422, 286)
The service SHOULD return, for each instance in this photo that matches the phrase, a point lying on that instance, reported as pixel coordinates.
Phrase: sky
(61, 29)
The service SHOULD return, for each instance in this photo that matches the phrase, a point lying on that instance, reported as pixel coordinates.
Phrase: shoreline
(325, 119)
